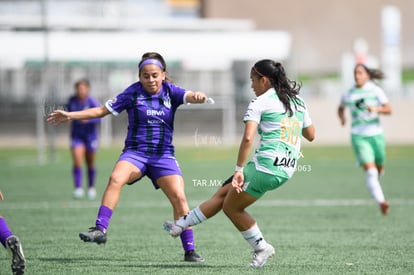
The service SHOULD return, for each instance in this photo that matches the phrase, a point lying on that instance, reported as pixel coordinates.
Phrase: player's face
(258, 84)
(151, 77)
(361, 76)
(82, 91)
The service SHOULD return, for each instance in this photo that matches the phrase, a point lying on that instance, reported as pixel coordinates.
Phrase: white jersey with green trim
(280, 134)
(364, 122)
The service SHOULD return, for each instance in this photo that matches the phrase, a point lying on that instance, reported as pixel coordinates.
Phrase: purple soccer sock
(103, 218)
(91, 177)
(77, 177)
(187, 239)
(5, 231)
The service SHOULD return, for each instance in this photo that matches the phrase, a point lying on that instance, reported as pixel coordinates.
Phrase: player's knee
(228, 209)
(116, 180)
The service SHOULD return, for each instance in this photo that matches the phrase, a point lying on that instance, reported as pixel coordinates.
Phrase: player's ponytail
(286, 89)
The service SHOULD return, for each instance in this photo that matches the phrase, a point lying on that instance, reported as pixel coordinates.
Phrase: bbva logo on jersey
(155, 112)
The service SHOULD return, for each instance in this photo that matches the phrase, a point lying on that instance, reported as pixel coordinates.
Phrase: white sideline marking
(165, 204)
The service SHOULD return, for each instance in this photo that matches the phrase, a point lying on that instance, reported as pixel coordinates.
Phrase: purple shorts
(153, 167)
(91, 145)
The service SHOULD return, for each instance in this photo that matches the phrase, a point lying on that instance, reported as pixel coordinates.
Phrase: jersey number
(290, 132)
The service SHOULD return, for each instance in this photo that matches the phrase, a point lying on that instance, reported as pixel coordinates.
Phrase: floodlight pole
(40, 124)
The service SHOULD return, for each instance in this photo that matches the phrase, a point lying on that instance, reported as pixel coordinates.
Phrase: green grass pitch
(322, 221)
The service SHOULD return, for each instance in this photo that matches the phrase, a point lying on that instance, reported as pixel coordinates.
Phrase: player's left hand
(199, 97)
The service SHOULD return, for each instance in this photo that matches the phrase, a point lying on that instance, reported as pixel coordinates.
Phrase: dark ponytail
(287, 90)
(373, 73)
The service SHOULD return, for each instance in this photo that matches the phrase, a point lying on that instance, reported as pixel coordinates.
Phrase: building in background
(47, 44)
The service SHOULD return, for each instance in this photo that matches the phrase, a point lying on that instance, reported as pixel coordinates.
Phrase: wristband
(238, 169)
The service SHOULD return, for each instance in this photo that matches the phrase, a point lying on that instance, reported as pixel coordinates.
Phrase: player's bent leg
(123, 173)
(215, 204)
(374, 187)
(197, 215)
(234, 207)
(173, 188)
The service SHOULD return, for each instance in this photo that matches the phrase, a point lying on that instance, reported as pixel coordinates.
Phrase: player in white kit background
(367, 101)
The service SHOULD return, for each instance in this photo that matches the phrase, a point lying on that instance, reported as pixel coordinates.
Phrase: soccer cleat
(192, 256)
(260, 256)
(94, 235)
(91, 193)
(18, 261)
(173, 229)
(385, 208)
(78, 193)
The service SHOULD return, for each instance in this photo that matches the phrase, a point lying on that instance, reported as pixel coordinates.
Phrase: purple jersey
(150, 117)
(79, 128)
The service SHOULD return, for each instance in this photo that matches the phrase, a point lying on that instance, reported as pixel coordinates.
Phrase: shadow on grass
(111, 261)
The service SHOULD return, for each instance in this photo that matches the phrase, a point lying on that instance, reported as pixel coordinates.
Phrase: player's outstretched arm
(59, 116)
(341, 115)
(196, 97)
(309, 132)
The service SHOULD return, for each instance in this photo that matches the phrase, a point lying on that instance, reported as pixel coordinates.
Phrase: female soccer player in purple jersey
(12, 243)
(84, 139)
(151, 104)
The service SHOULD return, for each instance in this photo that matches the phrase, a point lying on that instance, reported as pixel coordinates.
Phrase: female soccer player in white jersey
(151, 104)
(367, 101)
(281, 118)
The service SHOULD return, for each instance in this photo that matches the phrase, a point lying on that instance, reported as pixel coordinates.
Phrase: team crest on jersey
(167, 102)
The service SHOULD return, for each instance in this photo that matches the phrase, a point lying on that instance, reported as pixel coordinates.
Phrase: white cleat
(260, 256)
(91, 193)
(78, 193)
(173, 229)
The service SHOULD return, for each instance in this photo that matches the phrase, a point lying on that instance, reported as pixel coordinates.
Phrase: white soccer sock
(193, 217)
(374, 187)
(254, 237)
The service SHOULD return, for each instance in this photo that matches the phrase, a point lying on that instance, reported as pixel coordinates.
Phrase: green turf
(321, 222)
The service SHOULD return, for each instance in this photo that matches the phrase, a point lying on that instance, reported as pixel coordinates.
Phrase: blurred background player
(84, 139)
(281, 118)
(151, 104)
(366, 101)
(12, 243)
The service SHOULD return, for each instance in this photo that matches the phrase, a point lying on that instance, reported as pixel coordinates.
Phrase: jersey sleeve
(307, 121)
(382, 97)
(177, 94)
(253, 112)
(121, 102)
(343, 100)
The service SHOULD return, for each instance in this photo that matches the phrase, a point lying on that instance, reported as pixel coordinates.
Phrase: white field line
(163, 204)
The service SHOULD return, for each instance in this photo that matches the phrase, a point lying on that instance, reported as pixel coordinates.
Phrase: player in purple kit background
(84, 139)
(151, 104)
